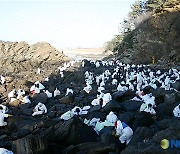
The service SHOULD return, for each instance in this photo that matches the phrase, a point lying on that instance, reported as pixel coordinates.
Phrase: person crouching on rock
(39, 109)
(124, 132)
(77, 111)
(2, 116)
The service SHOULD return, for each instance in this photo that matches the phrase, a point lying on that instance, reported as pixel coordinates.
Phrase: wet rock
(148, 147)
(30, 144)
(169, 134)
(142, 134)
(168, 123)
(122, 95)
(91, 148)
(127, 117)
(176, 85)
(95, 108)
(159, 99)
(26, 109)
(112, 106)
(67, 99)
(97, 114)
(54, 148)
(74, 132)
(164, 112)
(170, 98)
(4, 140)
(142, 119)
(148, 89)
(106, 136)
(130, 105)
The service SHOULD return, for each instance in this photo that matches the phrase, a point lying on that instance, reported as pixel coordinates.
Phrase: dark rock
(54, 148)
(74, 132)
(112, 106)
(140, 135)
(169, 134)
(95, 108)
(41, 97)
(159, 99)
(142, 119)
(165, 110)
(30, 144)
(122, 95)
(148, 147)
(25, 127)
(130, 105)
(97, 114)
(176, 85)
(91, 148)
(168, 123)
(4, 140)
(26, 109)
(67, 99)
(106, 136)
(148, 89)
(127, 117)
(170, 98)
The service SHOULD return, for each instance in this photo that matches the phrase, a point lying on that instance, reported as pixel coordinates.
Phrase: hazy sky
(63, 23)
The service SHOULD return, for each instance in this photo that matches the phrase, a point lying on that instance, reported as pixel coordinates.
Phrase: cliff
(20, 56)
(157, 36)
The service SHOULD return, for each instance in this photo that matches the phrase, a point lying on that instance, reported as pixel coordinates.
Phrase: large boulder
(91, 148)
(130, 105)
(122, 95)
(168, 123)
(112, 106)
(142, 119)
(106, 136)
(41, 97)
(164, 112)
(30, 144)
(141, 134)
(73, 132)
(127, 117)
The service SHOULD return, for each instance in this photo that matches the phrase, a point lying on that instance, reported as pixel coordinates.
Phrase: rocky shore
(49, 133)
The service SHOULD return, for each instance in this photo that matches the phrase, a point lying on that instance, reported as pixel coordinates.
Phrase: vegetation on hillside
(140, 11)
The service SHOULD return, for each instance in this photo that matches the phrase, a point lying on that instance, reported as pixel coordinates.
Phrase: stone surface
(74, 132)
(30, 144)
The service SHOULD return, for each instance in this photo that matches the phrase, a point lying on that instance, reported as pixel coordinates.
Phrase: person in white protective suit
(3, 108)
(68, 90)
(5, 151)
(40, 108)
(75, 111)
(37, 88)
(106, 99)
(20, 93)
(150, 109)
(176, 111)
(111, 117)
(2, 116)
(124, 132)
(147, 108)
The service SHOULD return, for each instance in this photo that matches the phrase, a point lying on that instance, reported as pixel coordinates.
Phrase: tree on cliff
(140, 11)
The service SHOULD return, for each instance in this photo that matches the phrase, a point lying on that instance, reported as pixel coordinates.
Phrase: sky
(62, 23)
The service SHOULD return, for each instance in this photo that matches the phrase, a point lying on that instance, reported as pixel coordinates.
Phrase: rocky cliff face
(20, 56)
(158, 36)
